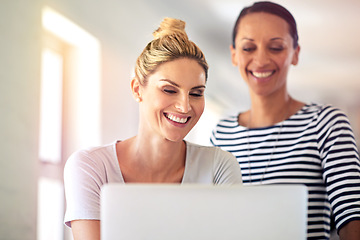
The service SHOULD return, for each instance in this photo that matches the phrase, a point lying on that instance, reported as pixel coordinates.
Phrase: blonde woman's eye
(197, 94)
(169, 91)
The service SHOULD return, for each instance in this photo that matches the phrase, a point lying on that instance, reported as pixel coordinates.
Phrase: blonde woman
(169, 84)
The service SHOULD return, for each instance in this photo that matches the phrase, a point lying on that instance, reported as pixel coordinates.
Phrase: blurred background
(65, 70)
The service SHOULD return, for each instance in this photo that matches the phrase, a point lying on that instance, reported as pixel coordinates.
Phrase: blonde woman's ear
(135, 88)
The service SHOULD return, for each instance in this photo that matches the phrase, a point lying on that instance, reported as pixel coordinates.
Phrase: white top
(86, 171)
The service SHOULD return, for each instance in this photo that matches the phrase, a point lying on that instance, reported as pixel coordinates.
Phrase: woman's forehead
(263, 25)
(260, 21)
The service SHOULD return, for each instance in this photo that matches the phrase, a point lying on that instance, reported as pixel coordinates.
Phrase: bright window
(51, 212)
(69, 115)
(51, 106)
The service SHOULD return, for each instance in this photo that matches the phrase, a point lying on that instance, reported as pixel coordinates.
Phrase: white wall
(121, 40)
(19, 107)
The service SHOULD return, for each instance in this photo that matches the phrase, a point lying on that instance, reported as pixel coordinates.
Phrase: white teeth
(176, 119)
(261, 74)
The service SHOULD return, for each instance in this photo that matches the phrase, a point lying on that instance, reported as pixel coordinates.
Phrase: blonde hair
(170, 43)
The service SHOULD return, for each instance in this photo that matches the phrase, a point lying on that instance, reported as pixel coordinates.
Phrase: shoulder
(212, 152)
(322, 113)
(227, 125)
(229, 121)
(200, 148)
(321, 109)
(211, 163)
(91, 157)
(85, 172)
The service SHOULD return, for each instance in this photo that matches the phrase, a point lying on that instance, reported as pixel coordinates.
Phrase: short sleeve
(82, 180)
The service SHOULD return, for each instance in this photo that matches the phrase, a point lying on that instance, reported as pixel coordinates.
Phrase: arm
(342, 174)
(350, 231)
(86, 229)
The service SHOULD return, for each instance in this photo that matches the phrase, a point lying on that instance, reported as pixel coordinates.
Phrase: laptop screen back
(179, 212)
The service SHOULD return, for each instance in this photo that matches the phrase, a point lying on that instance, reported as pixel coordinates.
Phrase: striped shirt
(315, 147)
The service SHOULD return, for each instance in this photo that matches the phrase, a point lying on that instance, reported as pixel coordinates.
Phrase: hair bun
(170, 26)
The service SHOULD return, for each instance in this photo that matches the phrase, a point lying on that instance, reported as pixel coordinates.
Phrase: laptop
(203, 212)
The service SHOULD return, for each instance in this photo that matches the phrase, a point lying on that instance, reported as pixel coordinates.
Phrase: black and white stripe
(316, 147)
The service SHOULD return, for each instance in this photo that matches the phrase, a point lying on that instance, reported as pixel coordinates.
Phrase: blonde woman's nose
(183, 104)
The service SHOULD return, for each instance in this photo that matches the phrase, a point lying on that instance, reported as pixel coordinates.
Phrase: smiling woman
(281, 140)
(174, 94)
(169, 85)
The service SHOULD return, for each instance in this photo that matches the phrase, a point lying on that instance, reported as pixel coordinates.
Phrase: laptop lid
(174, 212)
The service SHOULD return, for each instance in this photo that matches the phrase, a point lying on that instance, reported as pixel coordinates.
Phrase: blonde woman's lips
(176, 119)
